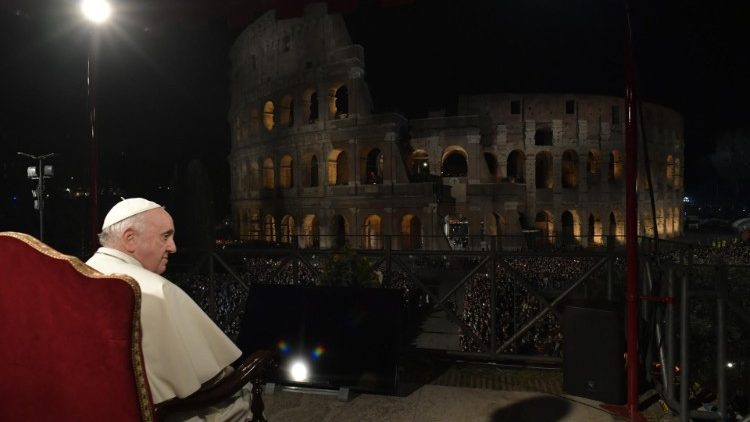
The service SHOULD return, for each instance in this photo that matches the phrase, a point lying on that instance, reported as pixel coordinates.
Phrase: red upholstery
(69, 339)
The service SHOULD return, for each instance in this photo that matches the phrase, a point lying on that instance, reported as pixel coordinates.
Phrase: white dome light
(298, 371)
(97, 11)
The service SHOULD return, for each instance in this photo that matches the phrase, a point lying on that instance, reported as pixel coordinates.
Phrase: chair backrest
(70, 339)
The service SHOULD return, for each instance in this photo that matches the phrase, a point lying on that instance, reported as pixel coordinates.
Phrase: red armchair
(70, 345)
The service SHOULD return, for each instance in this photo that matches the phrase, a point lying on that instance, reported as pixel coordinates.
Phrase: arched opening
(269, 181)
(310, 236)
(339, 228)
(373, 168)
(491, 161)
(340, 103)
(371, 233)
(268, 120)
(454, 163)
(306, 108)
(287, 229)
(545, 227)
(615, 166)
(543, 168)
(286, 175)
(309, 171)
(594, 230)
(338, 168)
(269, 228)
(543, 136)
(411, 232)
(420, 166)
(287, 111)
(570, 228)
(569, 169)
(516, 171)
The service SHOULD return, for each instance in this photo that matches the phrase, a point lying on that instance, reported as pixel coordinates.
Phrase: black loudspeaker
(593, 352)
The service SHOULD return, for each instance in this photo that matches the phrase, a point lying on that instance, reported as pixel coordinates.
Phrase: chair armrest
(251, 369)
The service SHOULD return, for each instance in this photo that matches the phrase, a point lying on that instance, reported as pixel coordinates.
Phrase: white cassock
(182, 346)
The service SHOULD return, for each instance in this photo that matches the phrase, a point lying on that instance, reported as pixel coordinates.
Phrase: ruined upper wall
(272, 56)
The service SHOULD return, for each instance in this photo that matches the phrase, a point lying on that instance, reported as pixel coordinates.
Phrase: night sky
(162, 92)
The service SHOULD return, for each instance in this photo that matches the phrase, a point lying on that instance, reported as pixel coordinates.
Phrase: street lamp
(39, 172)
(97, 12)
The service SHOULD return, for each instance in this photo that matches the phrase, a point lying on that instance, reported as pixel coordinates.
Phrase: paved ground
(447, 391)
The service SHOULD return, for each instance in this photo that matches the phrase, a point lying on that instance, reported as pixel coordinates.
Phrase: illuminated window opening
(268, 119)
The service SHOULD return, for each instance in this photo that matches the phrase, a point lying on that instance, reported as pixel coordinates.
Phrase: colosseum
(312, 164)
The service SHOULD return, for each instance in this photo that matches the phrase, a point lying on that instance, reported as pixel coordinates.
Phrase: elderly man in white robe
(182, 347)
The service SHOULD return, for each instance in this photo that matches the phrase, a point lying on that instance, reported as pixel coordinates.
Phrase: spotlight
(298, 371)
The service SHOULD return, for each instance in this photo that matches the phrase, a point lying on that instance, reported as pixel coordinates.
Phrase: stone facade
(312, 164)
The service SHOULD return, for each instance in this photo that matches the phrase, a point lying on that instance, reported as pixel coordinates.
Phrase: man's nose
(171, 246)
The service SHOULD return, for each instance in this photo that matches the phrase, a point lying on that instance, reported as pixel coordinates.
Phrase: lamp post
(96, 12)
(39, 172)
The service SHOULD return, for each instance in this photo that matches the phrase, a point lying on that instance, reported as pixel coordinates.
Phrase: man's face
(154, 241)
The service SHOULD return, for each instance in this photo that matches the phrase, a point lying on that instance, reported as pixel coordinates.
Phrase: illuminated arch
(338, 101)
(269, 228)
(411, 232)
(338, 168)
(310, 236)
(268, 118)
(371, 233)
(454, 162)
(288, 230)
(372, 170)
(269, 181)
(286, 117)
(594, 230)
(286, 174)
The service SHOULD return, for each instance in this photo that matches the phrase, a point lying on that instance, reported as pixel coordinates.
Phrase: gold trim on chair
(142, 389)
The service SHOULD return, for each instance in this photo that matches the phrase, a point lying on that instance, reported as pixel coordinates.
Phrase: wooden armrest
(251, 369)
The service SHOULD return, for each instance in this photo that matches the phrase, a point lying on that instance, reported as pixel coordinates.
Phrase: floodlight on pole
(39, 173)
(97, 12)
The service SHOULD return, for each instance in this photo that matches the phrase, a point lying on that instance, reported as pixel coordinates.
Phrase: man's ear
(129, 239)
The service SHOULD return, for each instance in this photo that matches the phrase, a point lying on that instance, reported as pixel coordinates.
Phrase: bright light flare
(97, 11)
(298, 371)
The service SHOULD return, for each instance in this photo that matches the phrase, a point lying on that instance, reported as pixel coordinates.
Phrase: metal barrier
(521, 292)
